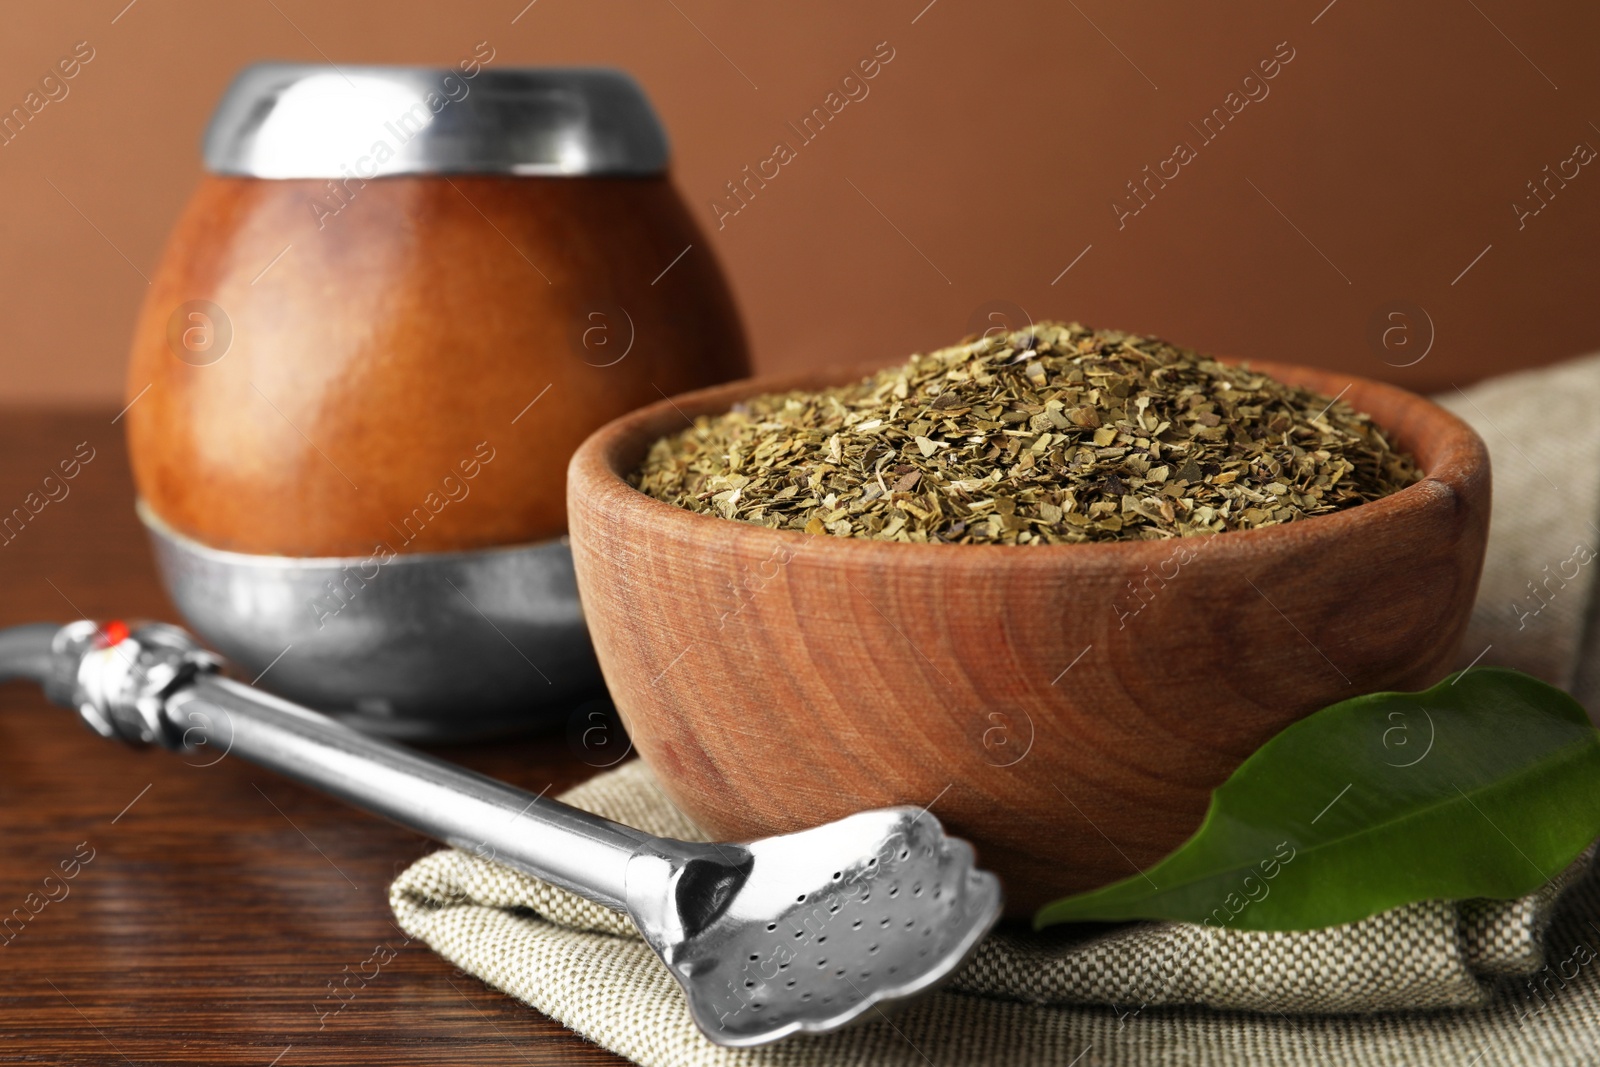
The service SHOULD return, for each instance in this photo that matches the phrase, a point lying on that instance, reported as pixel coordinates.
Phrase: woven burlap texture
(1142, 993)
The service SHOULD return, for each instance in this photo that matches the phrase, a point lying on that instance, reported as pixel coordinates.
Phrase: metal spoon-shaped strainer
(800, 933)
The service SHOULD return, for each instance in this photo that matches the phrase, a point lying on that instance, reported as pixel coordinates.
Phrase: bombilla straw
(716, 914)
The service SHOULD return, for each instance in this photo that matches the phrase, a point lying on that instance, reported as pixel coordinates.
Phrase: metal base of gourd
(421, 646)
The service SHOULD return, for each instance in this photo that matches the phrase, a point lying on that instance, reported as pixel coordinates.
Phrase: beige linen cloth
(1522, 977)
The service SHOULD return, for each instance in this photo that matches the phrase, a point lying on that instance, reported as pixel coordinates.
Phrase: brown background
(994, 143)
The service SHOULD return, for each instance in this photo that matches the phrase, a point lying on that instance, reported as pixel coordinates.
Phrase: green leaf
(1486, 785)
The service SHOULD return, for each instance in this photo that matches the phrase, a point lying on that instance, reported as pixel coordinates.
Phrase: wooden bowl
(775, 680)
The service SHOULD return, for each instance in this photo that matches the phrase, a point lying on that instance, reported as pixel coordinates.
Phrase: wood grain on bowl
(347, 363)
(1066, 708)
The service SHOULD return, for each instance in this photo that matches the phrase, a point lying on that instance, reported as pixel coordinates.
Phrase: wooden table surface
(220, 902)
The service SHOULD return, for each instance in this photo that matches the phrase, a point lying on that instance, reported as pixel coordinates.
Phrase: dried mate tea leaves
(1049, 435)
